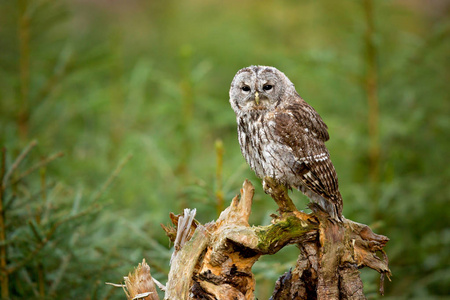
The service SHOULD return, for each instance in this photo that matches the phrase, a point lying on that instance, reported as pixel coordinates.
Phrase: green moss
(275, 236)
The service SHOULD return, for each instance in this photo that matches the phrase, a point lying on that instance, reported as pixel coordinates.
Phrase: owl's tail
(331, 206)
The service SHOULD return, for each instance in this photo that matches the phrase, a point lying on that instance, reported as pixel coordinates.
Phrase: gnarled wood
(216, 261)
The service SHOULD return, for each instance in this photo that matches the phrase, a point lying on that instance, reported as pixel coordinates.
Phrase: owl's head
(259, 88)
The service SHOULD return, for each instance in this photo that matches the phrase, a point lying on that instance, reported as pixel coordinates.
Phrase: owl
(283, 137)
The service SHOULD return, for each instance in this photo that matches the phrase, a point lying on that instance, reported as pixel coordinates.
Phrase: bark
(216, 260)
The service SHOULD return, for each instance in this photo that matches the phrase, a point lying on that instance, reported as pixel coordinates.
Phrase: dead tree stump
(215, 259)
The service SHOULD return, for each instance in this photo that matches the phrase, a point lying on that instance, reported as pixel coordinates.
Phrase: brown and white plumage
(283, 137)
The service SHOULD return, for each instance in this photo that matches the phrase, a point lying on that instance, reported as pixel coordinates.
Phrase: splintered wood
(214, 260)
(139, 284)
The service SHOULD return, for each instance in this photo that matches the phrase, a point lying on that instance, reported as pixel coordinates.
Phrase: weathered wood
(139, 284)
(183, 264)
(216, 260)
(225, 272)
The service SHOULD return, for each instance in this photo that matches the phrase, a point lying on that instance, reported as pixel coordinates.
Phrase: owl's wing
(301, 128)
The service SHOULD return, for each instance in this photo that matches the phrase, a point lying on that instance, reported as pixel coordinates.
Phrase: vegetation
(135, 95)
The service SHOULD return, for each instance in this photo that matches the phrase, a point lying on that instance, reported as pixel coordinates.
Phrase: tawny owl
(283, 137)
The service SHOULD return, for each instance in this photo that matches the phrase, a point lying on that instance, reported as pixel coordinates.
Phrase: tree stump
(214, 261)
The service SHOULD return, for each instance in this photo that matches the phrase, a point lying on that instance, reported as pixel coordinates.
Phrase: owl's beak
(257, 98)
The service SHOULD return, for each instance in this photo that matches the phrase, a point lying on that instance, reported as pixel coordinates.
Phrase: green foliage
(100, 81)
(58, 241)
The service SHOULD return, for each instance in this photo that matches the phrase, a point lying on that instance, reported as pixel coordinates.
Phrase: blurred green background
(135, 94)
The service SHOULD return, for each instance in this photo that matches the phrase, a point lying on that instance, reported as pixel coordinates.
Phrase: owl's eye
(245, 88)
(267, 87)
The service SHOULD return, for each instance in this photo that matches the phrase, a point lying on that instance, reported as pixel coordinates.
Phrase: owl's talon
(266, 187)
